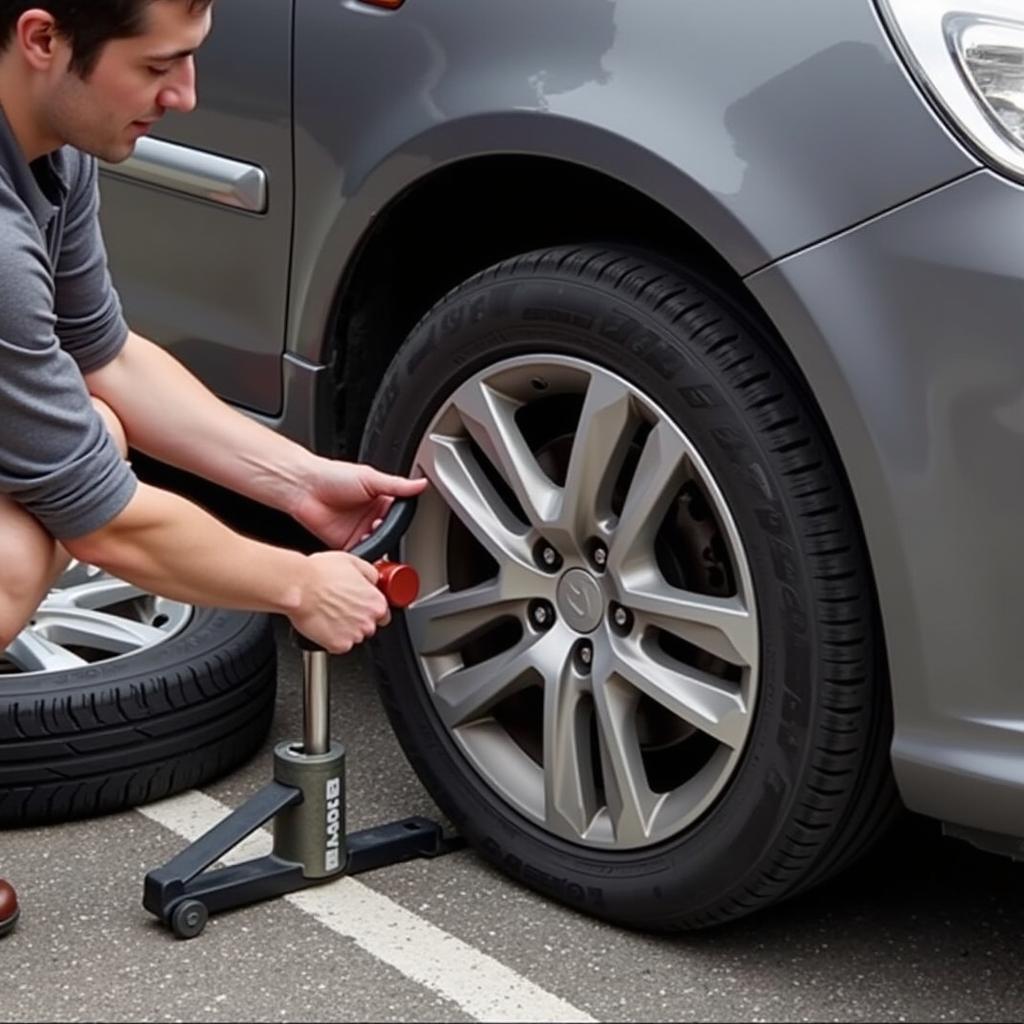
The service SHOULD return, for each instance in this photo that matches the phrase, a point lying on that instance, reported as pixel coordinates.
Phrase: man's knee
(29, 560)
(114, 425)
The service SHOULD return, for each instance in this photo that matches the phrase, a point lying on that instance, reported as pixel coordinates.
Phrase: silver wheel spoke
(446, 621)
(695, 697)
(469, 693)
(602, 439)
(659, 474)
(104, 616)
(489, 417)
(722, 626)
(32, 652)
(88, 628)
(570, 797)
(454, 471)
(632, 804)
(94, 594)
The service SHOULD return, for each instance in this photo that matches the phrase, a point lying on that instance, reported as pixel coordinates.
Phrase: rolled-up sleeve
(57, 458)
(90, 323)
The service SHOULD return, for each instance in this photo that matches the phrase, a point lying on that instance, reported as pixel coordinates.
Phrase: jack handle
(399, 583)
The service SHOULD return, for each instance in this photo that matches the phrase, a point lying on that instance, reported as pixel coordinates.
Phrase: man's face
(135, 82)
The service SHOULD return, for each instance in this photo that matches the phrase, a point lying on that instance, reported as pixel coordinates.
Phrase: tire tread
(98, 748)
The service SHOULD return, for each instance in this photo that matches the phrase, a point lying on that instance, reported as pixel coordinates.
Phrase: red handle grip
(399, 583)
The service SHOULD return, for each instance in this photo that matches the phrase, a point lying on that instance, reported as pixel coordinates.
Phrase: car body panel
(207, 281)
(910, 329)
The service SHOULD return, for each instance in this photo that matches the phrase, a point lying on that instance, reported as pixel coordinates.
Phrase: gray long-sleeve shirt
(60, 318)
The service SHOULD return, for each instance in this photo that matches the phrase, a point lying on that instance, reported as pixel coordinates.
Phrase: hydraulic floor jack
(306, 800)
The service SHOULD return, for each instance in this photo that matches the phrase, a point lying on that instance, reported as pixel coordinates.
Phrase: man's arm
(168, 414)
(166, 544)
(170, 546)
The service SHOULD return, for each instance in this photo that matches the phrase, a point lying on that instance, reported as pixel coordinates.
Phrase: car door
(198, 222)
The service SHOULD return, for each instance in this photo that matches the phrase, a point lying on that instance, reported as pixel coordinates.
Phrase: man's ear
(37, 38)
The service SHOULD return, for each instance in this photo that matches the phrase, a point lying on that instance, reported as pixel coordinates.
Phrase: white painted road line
(480, 985)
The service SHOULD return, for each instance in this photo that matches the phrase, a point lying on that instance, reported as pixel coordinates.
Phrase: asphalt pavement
(926, 929)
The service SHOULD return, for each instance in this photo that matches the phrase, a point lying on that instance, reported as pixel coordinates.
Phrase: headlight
(969, 57)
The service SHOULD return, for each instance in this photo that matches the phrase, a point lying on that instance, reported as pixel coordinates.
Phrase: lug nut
(598, 555)
(584, 657)
(542, 615)
(622, 618)
(547, 557)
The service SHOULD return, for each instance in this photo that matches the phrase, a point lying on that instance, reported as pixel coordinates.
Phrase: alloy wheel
(90, 616)
(588, 630)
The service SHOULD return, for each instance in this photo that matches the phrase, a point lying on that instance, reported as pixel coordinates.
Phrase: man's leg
(31, 561)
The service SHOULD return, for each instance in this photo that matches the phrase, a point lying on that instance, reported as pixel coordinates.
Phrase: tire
(649, 811)
(123, 730)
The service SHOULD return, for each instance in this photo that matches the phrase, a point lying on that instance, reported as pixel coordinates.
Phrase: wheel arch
(531, 202)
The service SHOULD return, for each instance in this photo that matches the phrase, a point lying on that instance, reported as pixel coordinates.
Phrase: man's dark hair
(87, 24)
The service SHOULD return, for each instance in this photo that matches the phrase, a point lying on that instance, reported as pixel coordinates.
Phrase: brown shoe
(9, 909)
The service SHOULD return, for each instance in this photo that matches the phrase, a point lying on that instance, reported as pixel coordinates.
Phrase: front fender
(764, 127)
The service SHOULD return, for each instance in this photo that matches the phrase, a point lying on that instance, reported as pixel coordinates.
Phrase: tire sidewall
(199, 638)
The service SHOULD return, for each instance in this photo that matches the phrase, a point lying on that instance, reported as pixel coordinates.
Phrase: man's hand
(344, 501)
(340, 605)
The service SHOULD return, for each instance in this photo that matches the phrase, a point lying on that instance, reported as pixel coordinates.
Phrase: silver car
(705, 321)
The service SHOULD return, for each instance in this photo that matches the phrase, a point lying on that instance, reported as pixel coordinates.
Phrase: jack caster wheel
(189, 919)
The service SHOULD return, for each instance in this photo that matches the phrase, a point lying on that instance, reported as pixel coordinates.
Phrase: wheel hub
(580, 601)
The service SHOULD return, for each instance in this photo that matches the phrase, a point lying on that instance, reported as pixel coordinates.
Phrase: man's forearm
(168, 545)
(188, 427)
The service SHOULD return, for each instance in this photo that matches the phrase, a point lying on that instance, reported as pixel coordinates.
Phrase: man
(77, 388)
